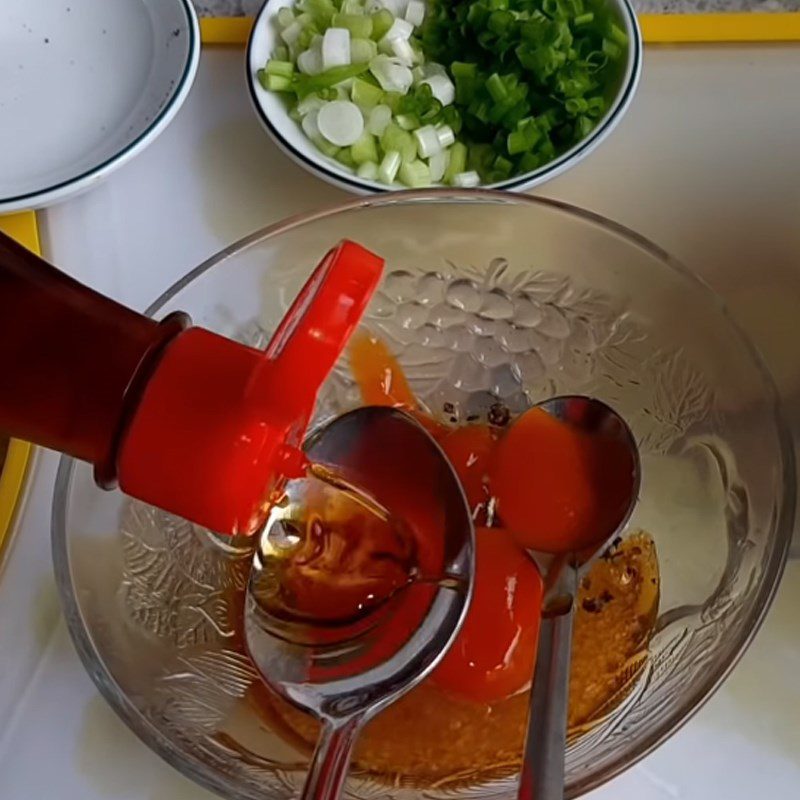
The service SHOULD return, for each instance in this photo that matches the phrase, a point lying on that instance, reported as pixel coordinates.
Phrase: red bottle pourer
(219, 423)
(190, 421)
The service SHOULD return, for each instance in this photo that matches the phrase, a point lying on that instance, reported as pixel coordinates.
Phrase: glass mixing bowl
(486, 298)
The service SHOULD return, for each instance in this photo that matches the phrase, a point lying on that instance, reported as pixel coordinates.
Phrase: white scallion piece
(438, 165)
(368, 170)
(335, 48)
(387, 171)
(310, 61)
(431, 68)
(442, 88)
(427, 141)
(403, 51)
(291, 34)
(285, 17)
(362, 51)
(466, 180)
(310, 103)
(391, 75)
(379, 119)
(446, 135)
(340, 122)
(400, 30)
(397, 7)
(415, 12)
(309, 124)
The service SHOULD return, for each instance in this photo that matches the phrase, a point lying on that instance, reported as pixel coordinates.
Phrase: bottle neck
(73, 363)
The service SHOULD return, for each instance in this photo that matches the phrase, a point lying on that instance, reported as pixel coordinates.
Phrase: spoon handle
(331, 758)
(546, 741)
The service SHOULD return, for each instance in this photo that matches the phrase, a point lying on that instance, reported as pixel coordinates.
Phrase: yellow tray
(658, 29)
(13, 472)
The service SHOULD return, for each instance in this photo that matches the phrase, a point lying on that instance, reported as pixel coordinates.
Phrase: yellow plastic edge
(656, 28)
(225, 30)
(716, 28)
(24, 229)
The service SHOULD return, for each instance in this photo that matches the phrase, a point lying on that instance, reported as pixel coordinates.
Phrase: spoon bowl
(545, 744)
(346, 668)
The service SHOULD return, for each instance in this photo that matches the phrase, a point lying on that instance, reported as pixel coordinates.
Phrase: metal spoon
(545, 745)
(345, 673)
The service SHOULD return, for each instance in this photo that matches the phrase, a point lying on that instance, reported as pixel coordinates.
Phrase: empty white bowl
(84, 86)
(273, 111)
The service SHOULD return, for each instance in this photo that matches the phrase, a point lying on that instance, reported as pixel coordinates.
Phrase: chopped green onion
(576, 105)
(584, 126)
(321, 11)
(394, 138)
(503, 167)
(438, 165)
(345, 157)
(285, 17)
(291, 34)
(457, 163)
(391, 76)
(445, 134)
(365, 95)
(526, 80)
(415, 174)
(340, 122)
(282, 68)
(611, 49)
(496, 88)
(368, 170)
(529, 162)
(381, 23)
(365, 149)
(387, 171)
(326, 147)
(274, 83)
(309, 61)
(517, 143)
(466, 180)
(408, 122)
(459, 69)
(428, 143)
(415, 12)
(616, 34)
(336, 48)
(306, 84)
(362, 51)
(359, 25)
(379, 119)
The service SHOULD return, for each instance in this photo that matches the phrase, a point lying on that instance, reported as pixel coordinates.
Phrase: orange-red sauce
(432, 736)
(534, 483)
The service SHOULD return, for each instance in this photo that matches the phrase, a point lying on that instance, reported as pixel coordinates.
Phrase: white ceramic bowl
(273, 111)
(84, 86)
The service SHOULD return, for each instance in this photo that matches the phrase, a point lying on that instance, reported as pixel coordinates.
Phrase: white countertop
(728, 210)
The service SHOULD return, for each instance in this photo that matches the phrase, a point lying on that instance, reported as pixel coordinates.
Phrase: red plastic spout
(190, 421)
(220, 424)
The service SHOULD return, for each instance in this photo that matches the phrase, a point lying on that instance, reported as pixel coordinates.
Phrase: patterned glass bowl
(487, 297)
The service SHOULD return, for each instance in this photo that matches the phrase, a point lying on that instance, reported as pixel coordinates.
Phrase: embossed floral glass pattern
(486, 298)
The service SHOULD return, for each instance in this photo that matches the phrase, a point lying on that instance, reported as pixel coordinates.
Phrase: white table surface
(706, 164)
